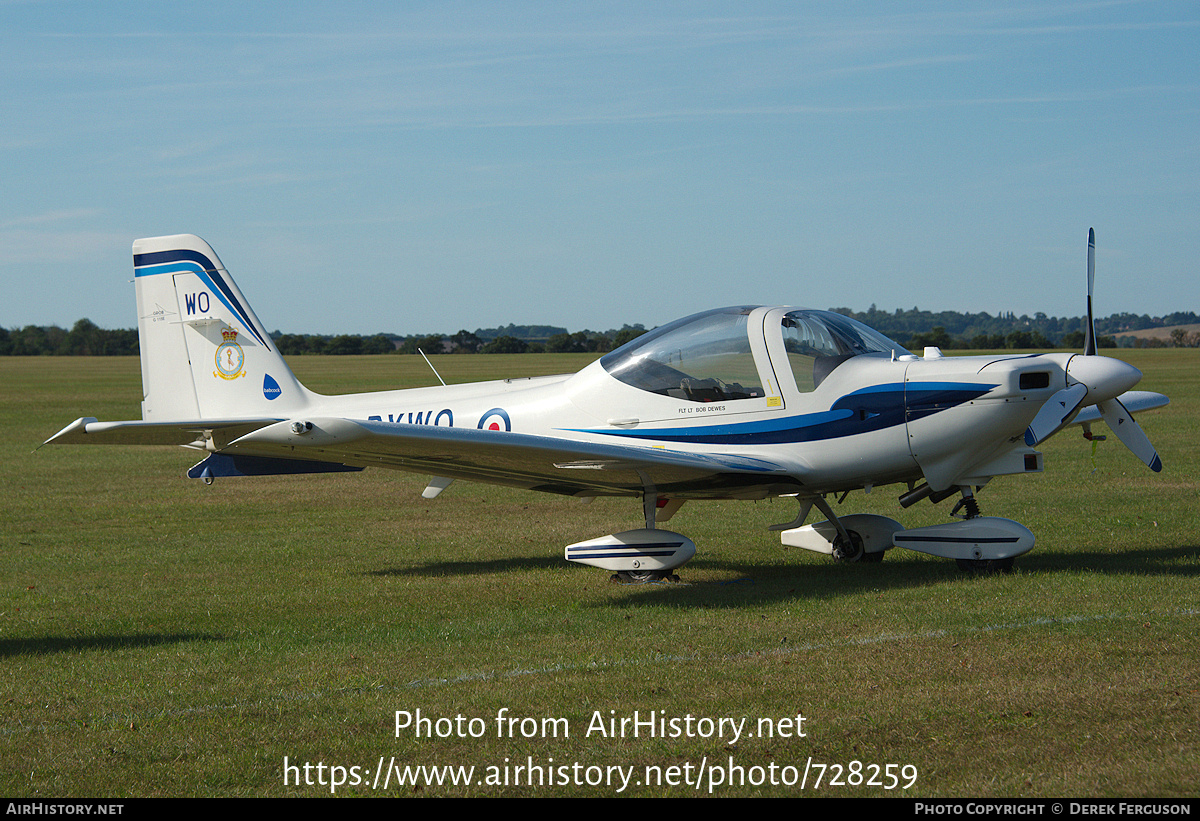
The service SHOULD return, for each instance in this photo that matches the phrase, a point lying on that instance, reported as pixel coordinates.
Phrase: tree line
(463, 342)
(914, 329)
(84, 339)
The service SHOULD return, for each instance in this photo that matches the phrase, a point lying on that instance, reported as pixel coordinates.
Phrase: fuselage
(854, 421)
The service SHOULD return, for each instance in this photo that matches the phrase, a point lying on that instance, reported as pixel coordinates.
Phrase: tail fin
(204, 353)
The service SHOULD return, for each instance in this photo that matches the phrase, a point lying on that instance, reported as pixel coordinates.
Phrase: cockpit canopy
(707, 357)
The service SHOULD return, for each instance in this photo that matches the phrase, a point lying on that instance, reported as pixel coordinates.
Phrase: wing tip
(72, 431)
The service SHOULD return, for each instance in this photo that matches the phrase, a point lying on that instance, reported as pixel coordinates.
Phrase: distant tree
(987, 341)
(378, 344)
(1073, 339)
(344, 345)
(125, 342)
(1019, 339)
(627, 334)
(525, 332)
(465, 342)
(56, 338)
(292, 344)
(429, 344)
(30, 341)
(85, 339)
(506, 344)
(937, 337)
(567, 343)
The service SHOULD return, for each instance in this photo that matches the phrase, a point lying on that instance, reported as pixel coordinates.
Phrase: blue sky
(419, 167)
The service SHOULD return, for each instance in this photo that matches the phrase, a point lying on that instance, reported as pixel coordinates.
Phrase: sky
(421, 167)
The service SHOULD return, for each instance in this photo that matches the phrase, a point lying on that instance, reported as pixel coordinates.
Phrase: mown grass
(161, 637)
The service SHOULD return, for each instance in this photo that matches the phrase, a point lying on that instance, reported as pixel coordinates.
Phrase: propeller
(1095, 380)
(1057, 412)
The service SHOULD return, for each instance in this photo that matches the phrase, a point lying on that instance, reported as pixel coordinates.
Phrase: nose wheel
(980, 567)
(852, 548)
(985, 567)
(849, 548)
(643, 576)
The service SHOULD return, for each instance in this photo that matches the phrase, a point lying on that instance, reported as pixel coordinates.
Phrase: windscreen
(818, 341)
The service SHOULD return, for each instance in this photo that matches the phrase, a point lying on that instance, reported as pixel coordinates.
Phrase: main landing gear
(639, 556)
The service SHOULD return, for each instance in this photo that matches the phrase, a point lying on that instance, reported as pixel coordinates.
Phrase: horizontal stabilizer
(88, 431)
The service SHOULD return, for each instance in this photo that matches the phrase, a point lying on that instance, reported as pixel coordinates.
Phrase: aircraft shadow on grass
(782, 582)
(1154, 561)
(50, 645)
(468, 568)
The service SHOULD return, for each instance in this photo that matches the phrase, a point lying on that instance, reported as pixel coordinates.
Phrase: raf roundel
(495, 419)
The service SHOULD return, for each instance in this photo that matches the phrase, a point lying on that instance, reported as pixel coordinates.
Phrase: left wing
(519, 460)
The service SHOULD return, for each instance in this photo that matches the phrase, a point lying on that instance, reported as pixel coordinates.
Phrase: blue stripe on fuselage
(863, 411)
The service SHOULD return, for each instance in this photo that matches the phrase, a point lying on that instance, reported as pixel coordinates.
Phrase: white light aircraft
(735, 403)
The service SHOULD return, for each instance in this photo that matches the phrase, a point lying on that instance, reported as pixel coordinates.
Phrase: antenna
(430, 364)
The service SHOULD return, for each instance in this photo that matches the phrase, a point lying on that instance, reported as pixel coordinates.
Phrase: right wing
(1134, 402)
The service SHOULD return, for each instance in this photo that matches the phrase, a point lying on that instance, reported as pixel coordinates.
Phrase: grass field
(164, 638)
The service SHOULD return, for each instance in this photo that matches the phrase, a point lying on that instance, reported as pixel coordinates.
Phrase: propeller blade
(1056, 412)
(1089, 345)
(1130, 432)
